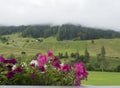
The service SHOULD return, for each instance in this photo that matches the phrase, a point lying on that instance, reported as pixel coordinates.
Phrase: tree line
(61, 32)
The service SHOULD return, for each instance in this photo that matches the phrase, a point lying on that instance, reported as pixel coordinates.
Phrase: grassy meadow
(112, 46)
(103, 79)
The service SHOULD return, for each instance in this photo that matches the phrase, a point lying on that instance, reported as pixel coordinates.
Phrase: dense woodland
(63, 32)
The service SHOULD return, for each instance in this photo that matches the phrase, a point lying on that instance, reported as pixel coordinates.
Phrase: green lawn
(103, 79)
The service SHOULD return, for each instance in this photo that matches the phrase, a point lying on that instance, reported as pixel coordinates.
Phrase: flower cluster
(79, 68)
(43, 59)
(46, 70)
(80, 72)
(9, 65)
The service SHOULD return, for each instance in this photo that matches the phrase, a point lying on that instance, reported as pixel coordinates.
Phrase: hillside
(61, 32)
(19, 44)
(31, 46)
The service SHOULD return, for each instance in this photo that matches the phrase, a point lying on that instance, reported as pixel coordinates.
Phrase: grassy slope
(20, 44)
(103, 78)
(32, 48)
(111, 46)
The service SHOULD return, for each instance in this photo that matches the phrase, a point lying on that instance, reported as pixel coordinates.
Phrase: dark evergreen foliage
(87, 56)
(63, 32)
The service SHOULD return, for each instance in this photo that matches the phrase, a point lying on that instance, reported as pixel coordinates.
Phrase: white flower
(34, 62)
(45, 66)
(14, 66)
(24, 64)
(62, 64)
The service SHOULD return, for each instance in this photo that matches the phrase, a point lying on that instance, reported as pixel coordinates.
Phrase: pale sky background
(93, 13)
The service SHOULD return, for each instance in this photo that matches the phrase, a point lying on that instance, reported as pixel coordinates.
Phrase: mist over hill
(61, 32)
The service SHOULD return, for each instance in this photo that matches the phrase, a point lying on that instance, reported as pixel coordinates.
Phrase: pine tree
(87, 56)
(101, 58)
(66, 54)
(92, 41)
(72, 55)
(77, 55)
(103, 51)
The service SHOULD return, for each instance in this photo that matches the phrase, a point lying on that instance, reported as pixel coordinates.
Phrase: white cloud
(96, 13)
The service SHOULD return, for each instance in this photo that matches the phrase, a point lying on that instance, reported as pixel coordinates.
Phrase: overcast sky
(94, 13)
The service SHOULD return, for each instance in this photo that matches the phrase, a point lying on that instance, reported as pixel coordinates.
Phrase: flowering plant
(46, 70)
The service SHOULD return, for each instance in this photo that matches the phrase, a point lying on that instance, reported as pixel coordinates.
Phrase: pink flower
(39, 57)
(32, 64)
(77, 65)
(78, 74)
(9, 67)
(66, 68)
(41, 68)
(50, 54)
(85, 72)
(42, 59)
(2, 59)
(76, 82)
(55, 59)
(13, 61)
(80, 71)
(9, 75)
(18, 69)
(10, 61)
(56, 65)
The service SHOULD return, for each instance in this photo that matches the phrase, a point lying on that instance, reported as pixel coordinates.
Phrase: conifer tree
(87, 56)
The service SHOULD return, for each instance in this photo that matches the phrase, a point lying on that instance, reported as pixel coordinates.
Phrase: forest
(61, 32)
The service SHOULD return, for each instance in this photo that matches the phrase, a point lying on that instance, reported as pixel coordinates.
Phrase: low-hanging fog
(93, 13)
